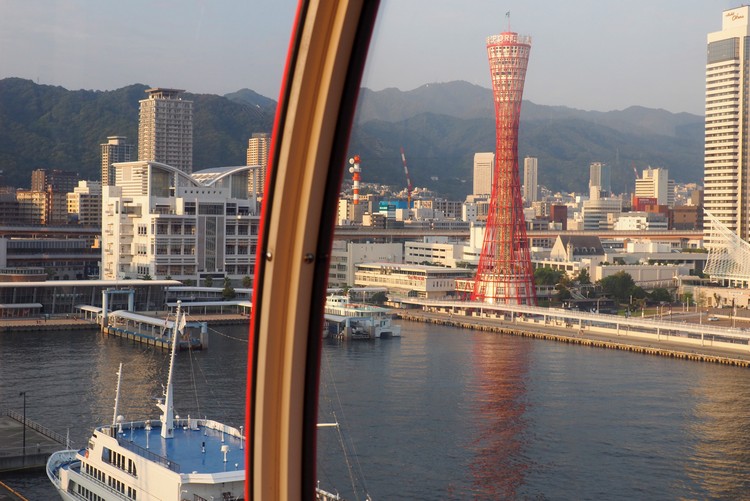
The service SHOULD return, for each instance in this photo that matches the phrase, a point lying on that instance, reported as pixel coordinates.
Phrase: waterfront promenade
(668, 346)
(25, 446)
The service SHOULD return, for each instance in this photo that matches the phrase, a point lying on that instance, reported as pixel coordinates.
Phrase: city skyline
(582, 58)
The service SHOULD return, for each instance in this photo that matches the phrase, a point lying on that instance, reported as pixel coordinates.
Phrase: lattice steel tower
(504, 274)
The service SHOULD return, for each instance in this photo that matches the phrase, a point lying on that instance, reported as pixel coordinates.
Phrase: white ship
(358, 321)
(165, 459)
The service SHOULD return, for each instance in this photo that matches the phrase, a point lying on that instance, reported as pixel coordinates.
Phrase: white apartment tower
(165, 129)
(257, 154)
(484, 166)
(726, 169)
(530, 184)
(115, 150)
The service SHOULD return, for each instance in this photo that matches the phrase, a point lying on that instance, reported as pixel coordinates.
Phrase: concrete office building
(207, 228)
(85, 204)
(484, 166)
(600, 175)
(530, 183)
(655, 183)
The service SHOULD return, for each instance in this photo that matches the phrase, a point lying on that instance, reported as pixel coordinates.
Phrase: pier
(25, 444)
(647, 343)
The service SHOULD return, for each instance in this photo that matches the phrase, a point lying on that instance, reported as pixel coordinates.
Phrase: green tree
(379, 298)
(619, 286)
(547, 276)
(583, 277)
(208, 281)
(660, 295)
(247, 281)
(228, 292)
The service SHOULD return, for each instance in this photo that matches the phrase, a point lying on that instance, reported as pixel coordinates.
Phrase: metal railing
(37, 427)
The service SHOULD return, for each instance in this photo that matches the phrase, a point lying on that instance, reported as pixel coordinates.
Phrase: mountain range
(440, 126)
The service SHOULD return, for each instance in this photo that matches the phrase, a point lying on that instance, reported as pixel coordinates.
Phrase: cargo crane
(408, 180)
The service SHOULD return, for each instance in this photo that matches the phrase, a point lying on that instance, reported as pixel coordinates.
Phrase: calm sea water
(441, 413)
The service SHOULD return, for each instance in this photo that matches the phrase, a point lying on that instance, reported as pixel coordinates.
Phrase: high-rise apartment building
(600, 175)
(60, 181)
(257, 154)
(165, 129)
(655, 183)
(484, 165)
(530, 184)
(116, 149)
(726, 168)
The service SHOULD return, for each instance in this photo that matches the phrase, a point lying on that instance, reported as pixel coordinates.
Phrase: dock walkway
(40, 443)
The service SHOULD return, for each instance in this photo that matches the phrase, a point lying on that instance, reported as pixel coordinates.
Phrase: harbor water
(441, 413)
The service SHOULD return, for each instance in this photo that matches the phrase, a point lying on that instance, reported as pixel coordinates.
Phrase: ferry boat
(148, 460)
(358, 321)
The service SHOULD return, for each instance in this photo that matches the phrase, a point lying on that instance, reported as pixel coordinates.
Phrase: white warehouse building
(159, 221)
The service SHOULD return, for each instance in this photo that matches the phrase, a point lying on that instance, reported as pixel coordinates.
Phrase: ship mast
(167, 407)
(117, 396)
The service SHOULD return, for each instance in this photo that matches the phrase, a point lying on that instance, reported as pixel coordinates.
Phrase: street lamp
(23, 394)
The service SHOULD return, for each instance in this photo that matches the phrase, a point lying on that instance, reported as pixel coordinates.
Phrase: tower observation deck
(504, 274)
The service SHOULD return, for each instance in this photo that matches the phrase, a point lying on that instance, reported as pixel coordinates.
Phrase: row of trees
(620, 286)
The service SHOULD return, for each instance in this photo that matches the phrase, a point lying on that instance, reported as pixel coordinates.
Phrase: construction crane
(408, 180)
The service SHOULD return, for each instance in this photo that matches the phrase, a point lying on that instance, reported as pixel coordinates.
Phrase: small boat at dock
(347, 320)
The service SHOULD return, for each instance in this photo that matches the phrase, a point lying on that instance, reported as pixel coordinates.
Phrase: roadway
(354, 233)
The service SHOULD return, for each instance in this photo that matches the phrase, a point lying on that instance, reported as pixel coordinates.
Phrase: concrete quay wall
(644, 343)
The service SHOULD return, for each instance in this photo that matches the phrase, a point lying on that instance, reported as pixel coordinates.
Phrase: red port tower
(504, 274)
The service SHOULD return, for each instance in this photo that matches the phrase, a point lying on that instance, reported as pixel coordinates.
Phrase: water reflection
(720, 461)
(498, 466)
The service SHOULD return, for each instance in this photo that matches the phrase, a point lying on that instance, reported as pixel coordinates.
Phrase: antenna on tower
(507, 16)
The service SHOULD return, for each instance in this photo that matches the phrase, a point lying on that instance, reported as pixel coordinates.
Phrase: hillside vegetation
(440, 126)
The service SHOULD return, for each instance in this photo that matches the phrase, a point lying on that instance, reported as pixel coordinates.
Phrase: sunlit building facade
(116, 149)
(85, 204)
(205, 226)
(726, 174)
(257, 154)
(530, 182)
(484, 165)
(165, 129)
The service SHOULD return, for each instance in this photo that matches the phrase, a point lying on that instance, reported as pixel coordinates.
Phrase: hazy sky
(587, 54)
